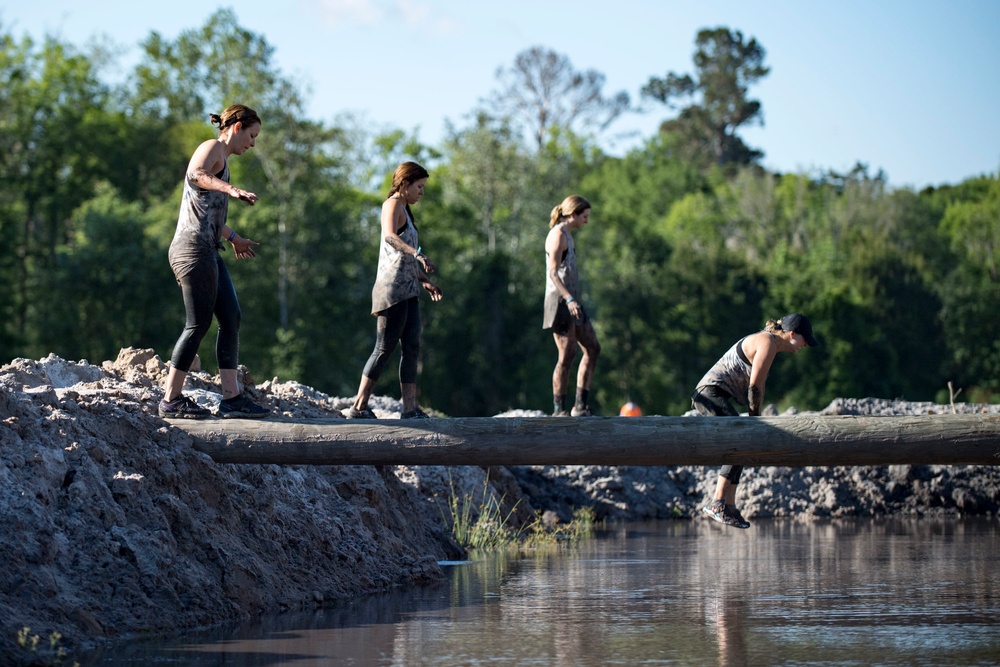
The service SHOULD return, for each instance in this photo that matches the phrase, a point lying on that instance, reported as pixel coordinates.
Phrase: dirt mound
(111, 524)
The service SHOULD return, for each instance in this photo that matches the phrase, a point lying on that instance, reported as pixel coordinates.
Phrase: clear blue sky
(907, 86)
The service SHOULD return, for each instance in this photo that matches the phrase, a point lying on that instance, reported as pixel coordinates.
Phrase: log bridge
(795, 441)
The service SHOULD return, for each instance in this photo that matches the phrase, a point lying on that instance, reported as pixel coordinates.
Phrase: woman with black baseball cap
(740, 376)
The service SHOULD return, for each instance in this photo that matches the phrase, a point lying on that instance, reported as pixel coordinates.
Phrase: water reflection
(920, 592)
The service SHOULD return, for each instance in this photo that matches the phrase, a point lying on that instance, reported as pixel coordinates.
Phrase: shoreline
(115, 527)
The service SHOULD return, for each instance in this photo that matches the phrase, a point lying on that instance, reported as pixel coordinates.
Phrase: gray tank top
(731, 373)
(567, 274)
(398, 277)
(199, 225)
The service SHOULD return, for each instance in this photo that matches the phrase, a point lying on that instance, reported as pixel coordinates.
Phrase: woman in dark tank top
(206, 286)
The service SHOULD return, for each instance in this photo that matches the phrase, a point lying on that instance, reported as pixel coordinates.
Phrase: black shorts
(713, 402)
(564, 321)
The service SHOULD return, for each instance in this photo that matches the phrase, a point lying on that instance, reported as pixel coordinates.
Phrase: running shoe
(182, 407)
(737, 518)
(560, 413)
(725, 514)
(366, 413)
(241, 407)
(581, 411)
(415, 413)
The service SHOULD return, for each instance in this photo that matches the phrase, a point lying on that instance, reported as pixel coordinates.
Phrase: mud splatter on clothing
(199, 225)
(398, 277)
(731, 373)
(567, 273)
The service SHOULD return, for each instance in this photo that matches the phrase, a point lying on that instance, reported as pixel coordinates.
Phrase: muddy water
(859, 592)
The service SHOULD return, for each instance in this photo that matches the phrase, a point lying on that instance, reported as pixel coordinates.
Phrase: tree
(58, 140)
(726, 66)
(119, 298)
(544, 89)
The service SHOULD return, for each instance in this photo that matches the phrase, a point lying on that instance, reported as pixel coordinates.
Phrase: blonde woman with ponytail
(563, 312)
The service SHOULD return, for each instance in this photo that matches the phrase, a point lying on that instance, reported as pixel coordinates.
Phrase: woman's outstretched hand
(243, 195)
(243, 247)
(434, 290)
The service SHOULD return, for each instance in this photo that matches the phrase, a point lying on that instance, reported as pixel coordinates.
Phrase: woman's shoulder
(394, 205)
(555, 236)
(760, 340)
(759, 337)
(211, 154)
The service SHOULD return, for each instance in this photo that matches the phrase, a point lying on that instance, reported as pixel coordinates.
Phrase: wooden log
(645, 441)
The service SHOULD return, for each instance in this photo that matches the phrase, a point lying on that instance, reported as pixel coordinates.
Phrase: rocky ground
(111, 524)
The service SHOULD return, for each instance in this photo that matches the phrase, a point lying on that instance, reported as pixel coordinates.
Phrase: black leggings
(714, 402)
(399, 323)
(208, 290)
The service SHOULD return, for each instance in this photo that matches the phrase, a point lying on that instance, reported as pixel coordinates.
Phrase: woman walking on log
(402, 271)
(563, 312)
(203, 277)
(740, 376)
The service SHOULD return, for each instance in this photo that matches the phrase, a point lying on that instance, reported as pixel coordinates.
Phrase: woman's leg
(198, 289)
(709, 401)
(227, 344)
(410, 348)
(388, 330)
(587, 340)
(566, 345)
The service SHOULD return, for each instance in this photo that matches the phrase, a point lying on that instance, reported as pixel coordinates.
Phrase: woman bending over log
(740, 376)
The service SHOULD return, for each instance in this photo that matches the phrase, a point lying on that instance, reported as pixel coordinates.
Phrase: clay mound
(111, 524)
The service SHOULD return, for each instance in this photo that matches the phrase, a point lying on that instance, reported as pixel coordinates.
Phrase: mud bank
(111, 525)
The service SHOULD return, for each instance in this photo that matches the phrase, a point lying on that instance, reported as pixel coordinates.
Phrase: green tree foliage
(57, 144)
(117, 293)
(681, 257)
(971, 226)
(726, 66)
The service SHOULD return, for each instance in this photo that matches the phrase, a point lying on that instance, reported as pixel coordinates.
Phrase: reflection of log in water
(798, 440)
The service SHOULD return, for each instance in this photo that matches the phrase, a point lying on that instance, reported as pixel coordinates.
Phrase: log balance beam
(793, 441)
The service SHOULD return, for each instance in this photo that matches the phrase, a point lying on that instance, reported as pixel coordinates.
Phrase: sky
(909, 87)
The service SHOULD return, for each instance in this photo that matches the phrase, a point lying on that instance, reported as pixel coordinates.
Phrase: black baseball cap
(799, 323)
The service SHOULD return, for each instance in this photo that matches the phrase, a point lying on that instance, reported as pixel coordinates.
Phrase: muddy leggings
(208, 290)
(399, 323)
(714, 402)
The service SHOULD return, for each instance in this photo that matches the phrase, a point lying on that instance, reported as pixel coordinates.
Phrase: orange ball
(630, 409)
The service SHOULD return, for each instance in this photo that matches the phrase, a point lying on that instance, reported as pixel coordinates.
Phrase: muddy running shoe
(367, 413)
(415, 413)
(182, 407)
(581, 411)
(560, 413)
(736, 517)
(241, 407)
(724, 514)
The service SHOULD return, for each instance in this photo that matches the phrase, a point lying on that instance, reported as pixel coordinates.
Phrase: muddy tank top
(731, 373)
(398, 277)
(567, 274)
(199, 225)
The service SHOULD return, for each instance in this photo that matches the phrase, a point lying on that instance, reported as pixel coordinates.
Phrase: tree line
(692, 243)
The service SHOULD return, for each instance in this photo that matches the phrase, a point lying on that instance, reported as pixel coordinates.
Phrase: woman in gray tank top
(563, 312)
(200, 272)
(402, 271)
(740, 376)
